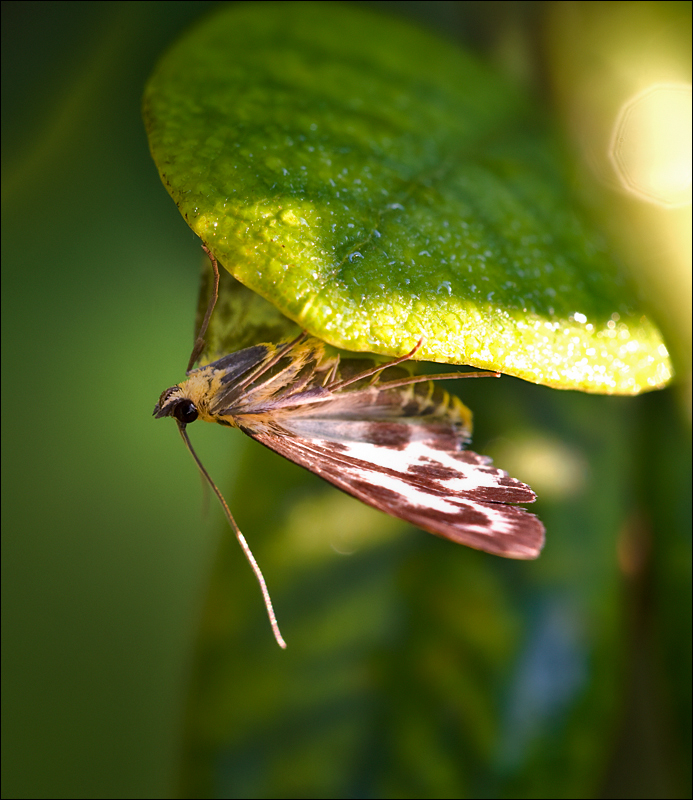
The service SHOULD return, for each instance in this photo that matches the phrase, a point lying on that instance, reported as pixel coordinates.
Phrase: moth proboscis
(397, 444)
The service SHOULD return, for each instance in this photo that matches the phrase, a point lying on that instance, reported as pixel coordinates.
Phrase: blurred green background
(136, 659)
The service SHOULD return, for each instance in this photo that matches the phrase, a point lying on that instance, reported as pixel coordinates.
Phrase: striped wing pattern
(400, 449)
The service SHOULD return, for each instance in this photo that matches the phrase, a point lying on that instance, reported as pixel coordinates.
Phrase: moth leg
(446, 376)
(409, 380)
(332, 374)
(375, 371)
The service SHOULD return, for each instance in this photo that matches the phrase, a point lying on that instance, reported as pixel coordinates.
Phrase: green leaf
(376, 184)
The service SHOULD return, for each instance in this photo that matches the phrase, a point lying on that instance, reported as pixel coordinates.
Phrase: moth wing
(409, 469)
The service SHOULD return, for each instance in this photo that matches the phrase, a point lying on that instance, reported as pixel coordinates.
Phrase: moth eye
(185, 412)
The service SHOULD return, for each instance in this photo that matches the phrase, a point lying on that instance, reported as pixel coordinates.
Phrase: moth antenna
(205, 497)
(200, 338)
(241, 539)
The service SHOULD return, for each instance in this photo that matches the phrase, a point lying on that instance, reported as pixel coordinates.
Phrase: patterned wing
(401, 450)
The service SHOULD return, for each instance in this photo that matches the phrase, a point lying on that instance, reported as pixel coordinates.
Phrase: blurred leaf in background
(414, 667)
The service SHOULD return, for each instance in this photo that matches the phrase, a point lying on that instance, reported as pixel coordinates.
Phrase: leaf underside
(375, 194)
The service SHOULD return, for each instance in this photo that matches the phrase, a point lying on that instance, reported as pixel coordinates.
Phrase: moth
(394, 441)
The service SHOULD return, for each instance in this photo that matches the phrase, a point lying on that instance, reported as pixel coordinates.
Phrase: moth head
(173, 403)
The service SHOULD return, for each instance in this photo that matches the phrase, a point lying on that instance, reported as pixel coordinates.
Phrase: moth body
(395, 441)
(395, 444)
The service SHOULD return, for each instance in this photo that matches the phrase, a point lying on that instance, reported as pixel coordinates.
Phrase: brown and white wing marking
(410, 465)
